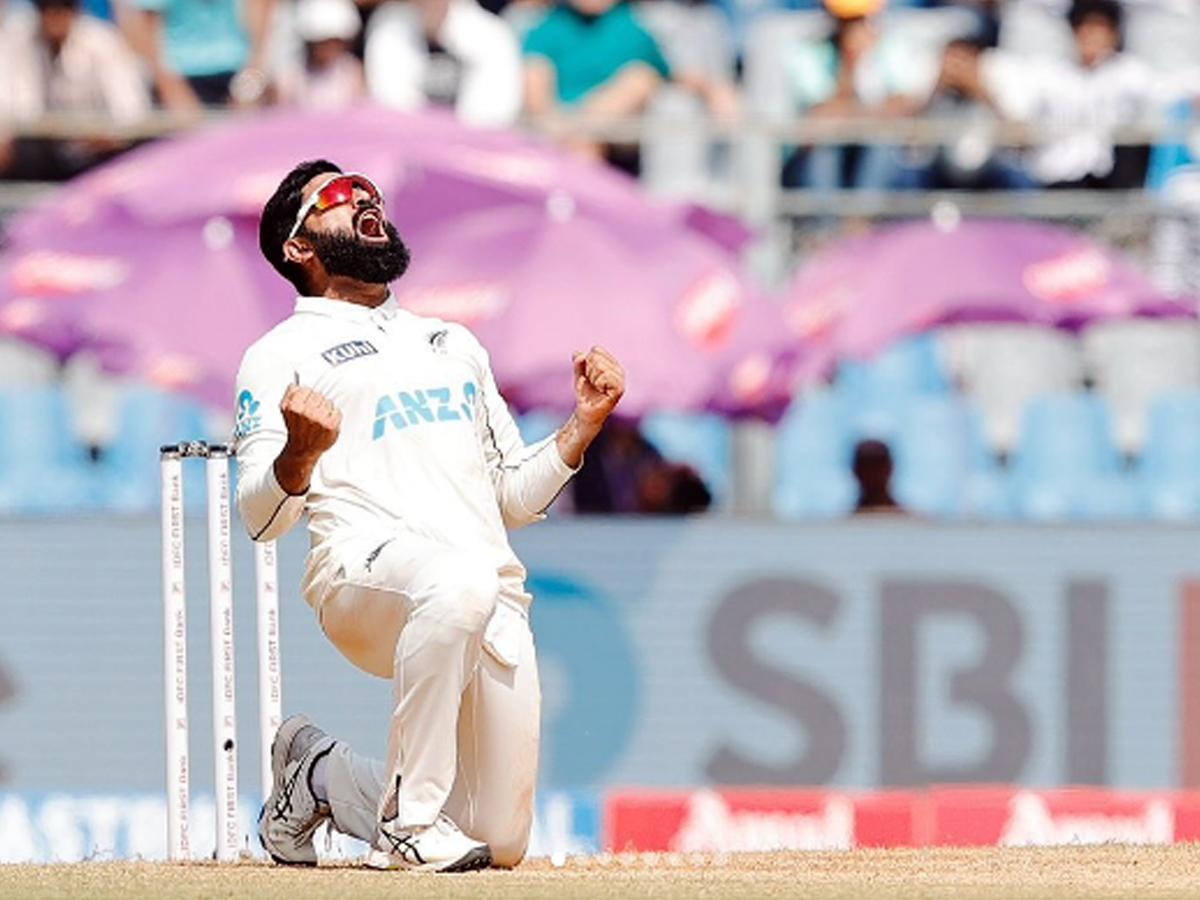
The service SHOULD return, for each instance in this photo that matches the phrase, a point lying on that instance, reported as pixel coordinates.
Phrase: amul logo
(710, 825)
(1069, 277)
(1031, 822)
(819, 312)
(66, 273)
(707, 311)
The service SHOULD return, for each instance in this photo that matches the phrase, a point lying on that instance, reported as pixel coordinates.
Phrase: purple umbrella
(692, 333)
(856, 297)
(152, 262)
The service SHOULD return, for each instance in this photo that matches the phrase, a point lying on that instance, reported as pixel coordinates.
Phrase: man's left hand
(599, 385)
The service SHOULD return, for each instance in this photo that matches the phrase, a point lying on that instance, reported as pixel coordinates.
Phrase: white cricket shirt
(427, 445)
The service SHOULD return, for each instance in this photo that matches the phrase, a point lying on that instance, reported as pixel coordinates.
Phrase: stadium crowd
(1076, 72)
(1082, 70)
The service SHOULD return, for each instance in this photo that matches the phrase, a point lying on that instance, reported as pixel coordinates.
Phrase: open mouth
(369, 225)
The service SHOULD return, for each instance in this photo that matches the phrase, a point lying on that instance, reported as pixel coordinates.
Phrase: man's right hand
(313, 424)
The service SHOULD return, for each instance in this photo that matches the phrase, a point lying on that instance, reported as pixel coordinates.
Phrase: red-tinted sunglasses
(335, 191)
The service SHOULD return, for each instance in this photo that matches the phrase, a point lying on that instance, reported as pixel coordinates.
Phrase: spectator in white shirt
(61, 61)
(330, 75)
(971, 160)
(1079, 103)
(449, 53)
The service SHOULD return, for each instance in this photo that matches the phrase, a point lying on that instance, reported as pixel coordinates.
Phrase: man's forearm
(294, 471)
(573, 438)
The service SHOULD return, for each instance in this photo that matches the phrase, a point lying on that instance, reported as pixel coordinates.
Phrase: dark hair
(43, 5)
(279, 214)
(871, 452)
(1082, 10)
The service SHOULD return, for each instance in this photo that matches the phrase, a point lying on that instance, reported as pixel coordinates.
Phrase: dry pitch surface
(986, 873)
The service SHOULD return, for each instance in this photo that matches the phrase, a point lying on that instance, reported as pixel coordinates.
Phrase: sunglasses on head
(335, 191)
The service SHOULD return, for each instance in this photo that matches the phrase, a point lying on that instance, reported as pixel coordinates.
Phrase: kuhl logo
(348, 351)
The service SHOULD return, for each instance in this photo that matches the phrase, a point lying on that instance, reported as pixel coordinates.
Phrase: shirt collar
(351, 312)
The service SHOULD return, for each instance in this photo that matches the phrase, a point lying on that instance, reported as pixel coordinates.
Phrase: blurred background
(907, 492)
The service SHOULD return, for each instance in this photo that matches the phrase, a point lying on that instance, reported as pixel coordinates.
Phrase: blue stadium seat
(988, 494)
(1169, 468)
(702, 440)
(538, 424)
(1114, 497)
(939, 448)
(877, 389)
(43, 469)
(147, 418)
(1065, 463)
(813, 448)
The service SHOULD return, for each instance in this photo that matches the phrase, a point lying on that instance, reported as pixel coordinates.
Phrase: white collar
(344, 309)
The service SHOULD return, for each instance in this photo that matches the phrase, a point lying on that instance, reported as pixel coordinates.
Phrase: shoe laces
(404, 844)
(283, 803)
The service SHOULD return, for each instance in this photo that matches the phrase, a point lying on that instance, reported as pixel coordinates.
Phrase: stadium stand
(127, 470)
(1167, 468)
(1065, 464)
(813, 446)
(876, 391)
(703, 441)
(43, 469)
(1001, 366)
(1132, 362)
(984, 420)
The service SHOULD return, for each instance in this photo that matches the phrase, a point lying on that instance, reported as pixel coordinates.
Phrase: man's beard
(345, 254)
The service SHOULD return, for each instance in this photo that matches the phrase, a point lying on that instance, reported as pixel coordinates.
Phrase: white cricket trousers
(465, 721)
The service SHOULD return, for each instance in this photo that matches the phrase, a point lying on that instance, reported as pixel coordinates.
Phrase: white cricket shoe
(440, 847)
(292, 812)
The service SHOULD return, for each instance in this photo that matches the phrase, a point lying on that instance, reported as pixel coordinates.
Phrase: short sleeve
(647, 51)
(543, 39)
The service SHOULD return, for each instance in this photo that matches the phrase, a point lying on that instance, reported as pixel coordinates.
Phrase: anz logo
(406, 409)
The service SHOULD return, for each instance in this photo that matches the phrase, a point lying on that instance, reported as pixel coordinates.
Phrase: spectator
(616, 470)
(61, 61)
(1082, 101)
(856, 72)
(448, 53)
(205, 52)
(672, 489)
(624, 473)
(873, 472)
(973, 161)
(593, 58)
(330, 75)
(987, 16)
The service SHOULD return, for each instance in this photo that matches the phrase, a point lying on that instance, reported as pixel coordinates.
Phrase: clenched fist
(599, 385)
(313, 424)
